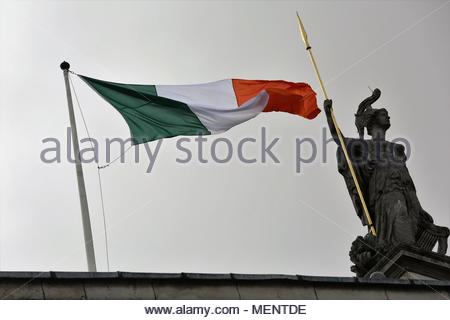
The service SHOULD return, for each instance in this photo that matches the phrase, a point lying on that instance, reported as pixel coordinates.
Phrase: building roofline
(183, 276)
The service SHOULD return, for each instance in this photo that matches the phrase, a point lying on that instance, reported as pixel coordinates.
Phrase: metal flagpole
(341, 139)
(88, 240)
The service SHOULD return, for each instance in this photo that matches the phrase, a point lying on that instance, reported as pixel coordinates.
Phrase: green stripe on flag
(148, 116)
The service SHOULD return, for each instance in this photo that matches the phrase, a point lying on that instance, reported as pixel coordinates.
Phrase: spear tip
(303, 32)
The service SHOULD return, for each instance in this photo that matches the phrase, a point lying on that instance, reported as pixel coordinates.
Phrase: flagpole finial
(64, 65)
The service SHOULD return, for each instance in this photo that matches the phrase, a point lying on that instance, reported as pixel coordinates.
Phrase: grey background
(259, 218)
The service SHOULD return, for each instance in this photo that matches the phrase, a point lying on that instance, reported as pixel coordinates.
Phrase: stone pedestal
(405, 262)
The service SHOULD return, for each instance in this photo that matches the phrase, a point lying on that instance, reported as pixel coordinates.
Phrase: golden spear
(341, 139)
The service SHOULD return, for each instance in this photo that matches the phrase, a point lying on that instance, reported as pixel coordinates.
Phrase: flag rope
(116, 158)
(98, 174)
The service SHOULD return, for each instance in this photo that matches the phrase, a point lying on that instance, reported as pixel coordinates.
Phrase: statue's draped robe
(387, 187)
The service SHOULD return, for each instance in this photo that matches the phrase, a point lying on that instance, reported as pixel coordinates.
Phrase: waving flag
(161, 111)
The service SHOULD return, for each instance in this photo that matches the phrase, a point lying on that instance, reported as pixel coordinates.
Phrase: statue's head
(370, 118)
(380, 119)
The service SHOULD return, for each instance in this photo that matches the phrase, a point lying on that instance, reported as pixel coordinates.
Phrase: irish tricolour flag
(160, 111)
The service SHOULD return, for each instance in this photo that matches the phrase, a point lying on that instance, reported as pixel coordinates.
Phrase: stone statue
(387, 187)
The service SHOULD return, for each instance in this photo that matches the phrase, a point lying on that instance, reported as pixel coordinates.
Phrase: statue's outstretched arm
(327, 105)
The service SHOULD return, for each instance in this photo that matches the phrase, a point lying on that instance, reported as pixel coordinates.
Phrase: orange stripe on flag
(291, 97)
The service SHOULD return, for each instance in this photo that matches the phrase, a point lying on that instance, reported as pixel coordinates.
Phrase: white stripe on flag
(215, 103)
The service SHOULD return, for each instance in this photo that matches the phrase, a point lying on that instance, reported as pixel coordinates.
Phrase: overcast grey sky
(234, 217)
